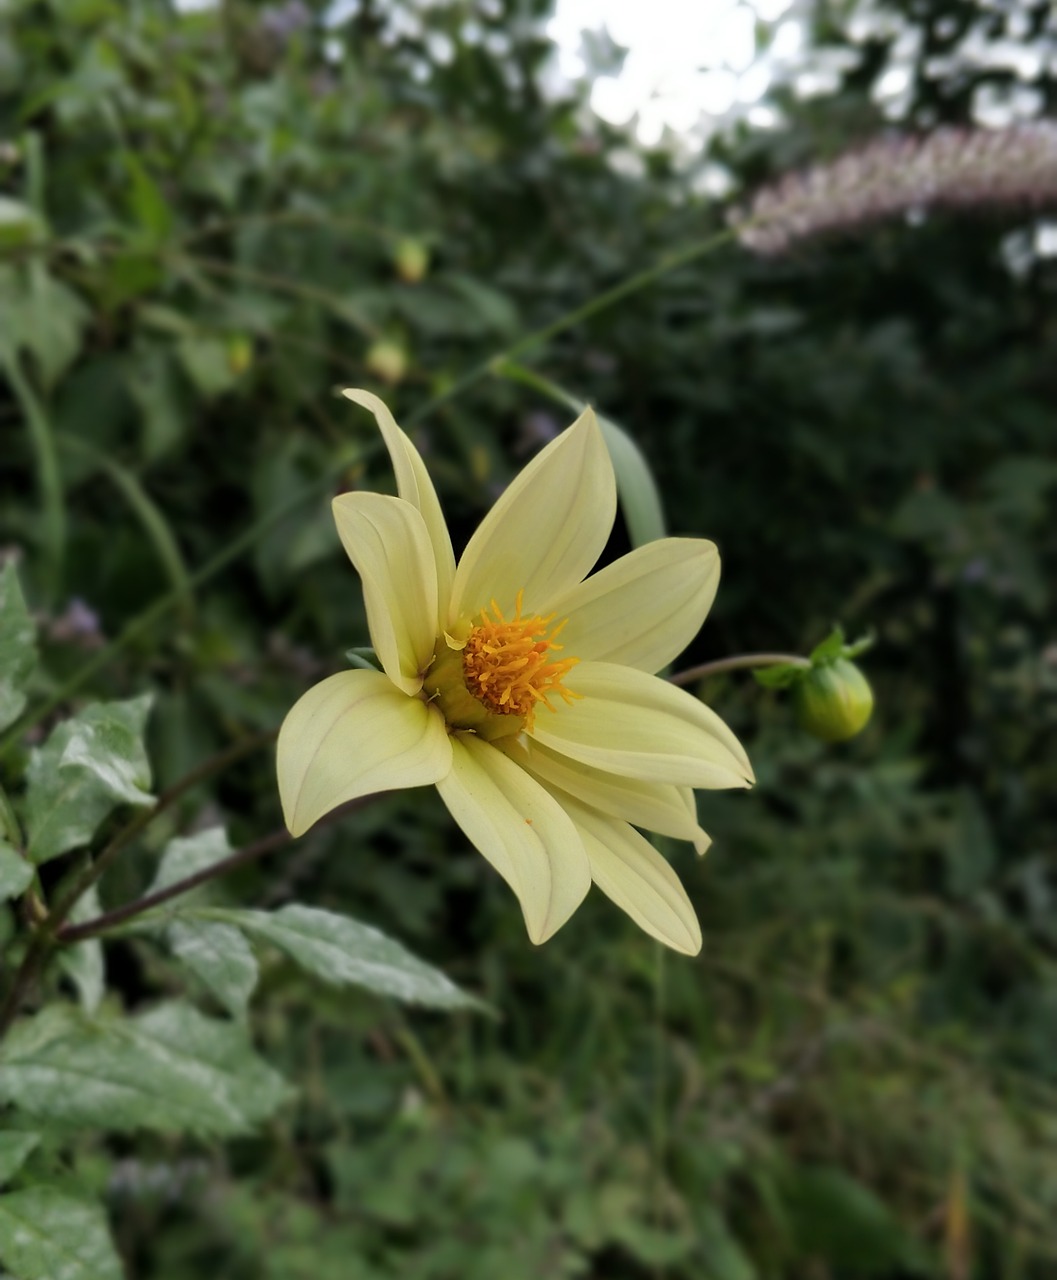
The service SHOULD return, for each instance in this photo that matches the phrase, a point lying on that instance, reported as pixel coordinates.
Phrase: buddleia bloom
(522, 689)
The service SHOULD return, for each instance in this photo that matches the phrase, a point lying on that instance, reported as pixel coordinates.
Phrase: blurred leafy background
(211, 220)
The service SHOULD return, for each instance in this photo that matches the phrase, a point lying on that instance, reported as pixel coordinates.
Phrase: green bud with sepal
(832, 699)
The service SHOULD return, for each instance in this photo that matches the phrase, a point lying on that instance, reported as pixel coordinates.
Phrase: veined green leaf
(171, 1069)
(16, 874)
(83, 961)
(345, 952)
(46, 1234)
(219, 955)
(14, 1151)
(89, 765)
(187, 855)
(18, 647)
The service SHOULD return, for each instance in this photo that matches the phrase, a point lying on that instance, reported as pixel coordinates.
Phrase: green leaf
(18, 647)
(16, 874)
(188, 855)
(780, 675)
(83, 961)
(207, 362)
(220, 956)
(346, 953)
(89, 765)
(48, 1235)
(171, 1069)
(51, 318)
(19, 224)
(147, 204)
(830, 649)
(640, 500)
(14, 1151)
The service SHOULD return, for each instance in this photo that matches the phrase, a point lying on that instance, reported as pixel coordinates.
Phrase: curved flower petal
(352, 734)
(522, 831)
(702, 842)
(386, 540)
(413, 485)
(628, 869)
(639, 726)
(643, 609)
(545, 531)
(657, 806)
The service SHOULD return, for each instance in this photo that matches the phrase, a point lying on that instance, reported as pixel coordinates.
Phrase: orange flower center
(507, 663)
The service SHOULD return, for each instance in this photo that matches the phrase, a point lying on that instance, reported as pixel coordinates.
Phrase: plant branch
(52, 928)
(741, 662)
(248, 853)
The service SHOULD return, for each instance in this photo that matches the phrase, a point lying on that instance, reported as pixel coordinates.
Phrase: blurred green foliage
(208, 223)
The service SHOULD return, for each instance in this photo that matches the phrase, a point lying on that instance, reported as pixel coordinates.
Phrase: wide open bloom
(523, 690)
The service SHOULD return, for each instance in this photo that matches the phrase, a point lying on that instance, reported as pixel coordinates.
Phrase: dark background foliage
(213, 223)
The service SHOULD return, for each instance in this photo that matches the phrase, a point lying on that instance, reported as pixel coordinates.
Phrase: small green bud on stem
(833, 701)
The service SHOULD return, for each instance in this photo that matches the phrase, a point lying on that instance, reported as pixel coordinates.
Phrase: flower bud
(386, 360)
(411, 259)
(833, 701)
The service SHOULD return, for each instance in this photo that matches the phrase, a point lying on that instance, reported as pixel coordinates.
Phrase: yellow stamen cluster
(506, 666)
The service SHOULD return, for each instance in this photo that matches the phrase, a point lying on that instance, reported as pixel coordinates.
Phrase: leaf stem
(740, 662)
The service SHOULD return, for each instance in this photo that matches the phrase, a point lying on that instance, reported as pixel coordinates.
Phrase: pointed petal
(638, 726)
(413, 485)
(522, 831)
(702, 842)
(657, 806)
(628, 869)
(352, 734)
(386, 540)
(546, 530)
(643, 609)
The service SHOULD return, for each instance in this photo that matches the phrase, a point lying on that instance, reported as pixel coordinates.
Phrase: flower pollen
(506, 663)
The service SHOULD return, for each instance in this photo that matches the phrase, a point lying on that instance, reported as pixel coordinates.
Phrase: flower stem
(600, 302)
(740, 662)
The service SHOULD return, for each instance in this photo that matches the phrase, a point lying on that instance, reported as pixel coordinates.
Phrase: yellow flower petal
(522, 831)
(386, 540)
(657, 806)
(639, 726)
(628, 869)
(545, 531)
(645, 608)
(352, 734)
(702, 842)
(413, 485)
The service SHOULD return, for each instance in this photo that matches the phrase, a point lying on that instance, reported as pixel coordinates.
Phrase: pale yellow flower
(523, 692)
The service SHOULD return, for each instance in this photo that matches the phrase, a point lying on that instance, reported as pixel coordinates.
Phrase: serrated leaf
(172, 1070)
(345, 952)
(18, 647)
(48, 1235)
(188, 855)
(14, 1151)
(219, 955)
(83, 961)
(16, 874)
(89, 765)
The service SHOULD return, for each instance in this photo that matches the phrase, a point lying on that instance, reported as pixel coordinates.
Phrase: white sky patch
(689, 64)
